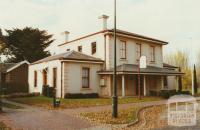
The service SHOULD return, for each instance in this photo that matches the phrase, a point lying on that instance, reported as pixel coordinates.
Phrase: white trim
(123, 86)
(145, 87)
(135, 73)
(17, 65)
(100, 62)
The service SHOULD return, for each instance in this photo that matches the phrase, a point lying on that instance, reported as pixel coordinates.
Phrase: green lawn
(125, 116)
(11, 106)
(74, 103)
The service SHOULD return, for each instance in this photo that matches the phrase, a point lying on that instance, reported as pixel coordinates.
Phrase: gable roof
(7, 67)
(70, 55)
(17, 65)
(119, 32)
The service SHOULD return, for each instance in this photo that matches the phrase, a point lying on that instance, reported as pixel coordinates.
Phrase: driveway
(35, 118)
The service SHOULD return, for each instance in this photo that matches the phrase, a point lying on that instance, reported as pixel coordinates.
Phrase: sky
(174, 21)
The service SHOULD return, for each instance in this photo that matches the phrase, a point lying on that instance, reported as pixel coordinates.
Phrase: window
(85, 77)
(165, 82)
(79, 48)
(138, 51)
(35, 78)
(123, 50)
(94, 47)
(152, 51)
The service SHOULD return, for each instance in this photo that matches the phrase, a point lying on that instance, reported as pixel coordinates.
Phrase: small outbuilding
(14, 77)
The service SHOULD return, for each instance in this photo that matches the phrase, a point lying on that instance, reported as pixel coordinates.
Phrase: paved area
(34, 118)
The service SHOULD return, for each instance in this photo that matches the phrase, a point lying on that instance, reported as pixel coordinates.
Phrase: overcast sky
(175, 21)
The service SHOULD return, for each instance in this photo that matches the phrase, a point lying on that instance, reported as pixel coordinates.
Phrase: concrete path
(35, 118)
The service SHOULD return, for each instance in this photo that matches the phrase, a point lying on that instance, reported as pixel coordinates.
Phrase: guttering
(77, 61)
(138, 38)
(143, 73)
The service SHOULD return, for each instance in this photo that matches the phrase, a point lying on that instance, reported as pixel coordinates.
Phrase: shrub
(153, 93)
(80, 95)
(185, 92)
(18, 95)
(167, 93)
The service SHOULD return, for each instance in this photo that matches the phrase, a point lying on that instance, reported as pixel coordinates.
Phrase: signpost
(142, 64)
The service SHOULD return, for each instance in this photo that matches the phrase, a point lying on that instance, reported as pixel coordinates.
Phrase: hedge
(80, 95)
(168, 93)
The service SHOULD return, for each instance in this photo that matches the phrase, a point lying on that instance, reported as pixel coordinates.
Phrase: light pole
(115, 98)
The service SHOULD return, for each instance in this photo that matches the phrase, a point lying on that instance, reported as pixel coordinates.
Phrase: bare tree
(181, 59)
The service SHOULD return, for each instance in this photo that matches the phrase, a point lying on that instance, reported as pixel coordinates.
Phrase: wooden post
(123, 86)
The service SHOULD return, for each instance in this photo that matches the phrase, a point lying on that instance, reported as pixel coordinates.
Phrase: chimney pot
(104, 18)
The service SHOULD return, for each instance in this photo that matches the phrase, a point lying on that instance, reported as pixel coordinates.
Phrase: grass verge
(11, 106)
(125, 116)
(74, 103)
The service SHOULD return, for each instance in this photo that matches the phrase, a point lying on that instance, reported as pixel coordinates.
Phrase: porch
(152, 79)
(127, 85)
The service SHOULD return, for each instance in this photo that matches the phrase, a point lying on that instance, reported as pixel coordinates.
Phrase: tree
(195, 80)
(180, 59)
(25, 44)
(180, 86)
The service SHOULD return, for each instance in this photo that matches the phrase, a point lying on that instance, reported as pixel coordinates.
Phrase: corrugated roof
(70, 55)
(132, 68)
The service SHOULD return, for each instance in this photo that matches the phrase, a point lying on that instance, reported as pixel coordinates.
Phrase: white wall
(172, 82)
(73, 77)
(131, 52)
(130, 46)
(86, 45)
(39, 68)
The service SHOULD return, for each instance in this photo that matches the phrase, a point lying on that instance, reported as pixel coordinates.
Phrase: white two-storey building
(85, 65)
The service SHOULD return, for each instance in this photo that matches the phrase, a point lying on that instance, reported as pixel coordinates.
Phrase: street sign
(143, 62)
